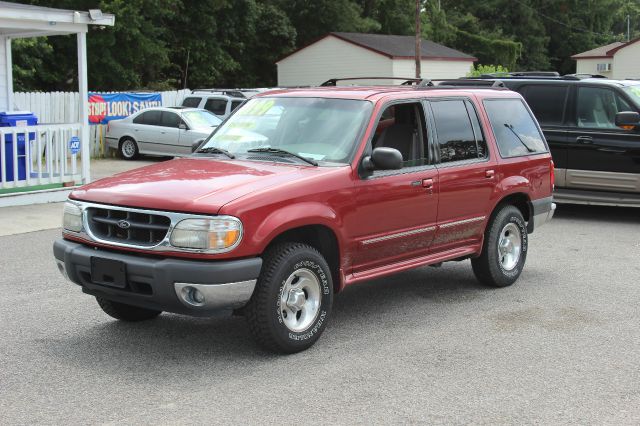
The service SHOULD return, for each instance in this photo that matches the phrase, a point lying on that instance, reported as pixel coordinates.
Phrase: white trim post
(9, 65)
(84, 106)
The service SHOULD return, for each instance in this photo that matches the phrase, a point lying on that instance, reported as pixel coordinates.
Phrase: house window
(603, 67)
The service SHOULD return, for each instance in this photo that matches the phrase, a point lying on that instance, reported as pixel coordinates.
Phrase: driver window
(402, 126)
(597, 107)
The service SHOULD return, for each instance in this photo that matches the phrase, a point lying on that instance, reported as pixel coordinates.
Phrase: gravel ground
(427, 346)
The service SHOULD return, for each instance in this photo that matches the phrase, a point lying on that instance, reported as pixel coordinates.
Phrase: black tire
(265, 313)
(124, 150)
(488, 268)
(123, 312)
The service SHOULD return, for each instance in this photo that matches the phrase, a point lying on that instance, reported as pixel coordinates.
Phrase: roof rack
(580, 76)
(537, 75)
(419, 82)
(471, 82)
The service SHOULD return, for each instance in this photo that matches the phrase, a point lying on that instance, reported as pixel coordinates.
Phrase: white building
(617, 60)
(339, 55)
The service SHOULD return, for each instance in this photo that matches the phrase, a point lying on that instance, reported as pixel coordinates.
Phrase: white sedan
(160, 131)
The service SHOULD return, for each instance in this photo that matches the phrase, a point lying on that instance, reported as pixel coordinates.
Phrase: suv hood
(193, 185)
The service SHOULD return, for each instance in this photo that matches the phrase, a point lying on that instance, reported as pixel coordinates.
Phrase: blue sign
(104, 107)
(74, 145)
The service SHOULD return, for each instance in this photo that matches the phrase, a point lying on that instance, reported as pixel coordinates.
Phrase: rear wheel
(128, 149)
(124, 312)
(292, 301)
(505, 249)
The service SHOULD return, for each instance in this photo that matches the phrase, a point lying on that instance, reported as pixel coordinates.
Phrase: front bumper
(163, 284)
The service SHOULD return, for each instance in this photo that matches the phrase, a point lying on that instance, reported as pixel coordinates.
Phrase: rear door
(602, 156)
(466, 172)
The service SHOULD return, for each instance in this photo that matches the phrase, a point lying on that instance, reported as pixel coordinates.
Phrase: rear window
(515, 129)
(547, 102)
(191, 102)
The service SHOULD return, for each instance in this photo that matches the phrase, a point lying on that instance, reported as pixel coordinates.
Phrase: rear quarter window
(514, 127)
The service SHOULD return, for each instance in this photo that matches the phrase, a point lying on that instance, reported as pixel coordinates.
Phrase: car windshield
(634, 93)
(319, 129)
(201, 118)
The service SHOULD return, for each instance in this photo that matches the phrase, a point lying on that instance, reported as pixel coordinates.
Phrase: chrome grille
(127, 227)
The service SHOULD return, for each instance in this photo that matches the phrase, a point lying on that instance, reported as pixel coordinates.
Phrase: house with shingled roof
(618, 60)
(340, 54)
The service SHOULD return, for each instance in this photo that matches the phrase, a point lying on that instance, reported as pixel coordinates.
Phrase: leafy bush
(479, 69)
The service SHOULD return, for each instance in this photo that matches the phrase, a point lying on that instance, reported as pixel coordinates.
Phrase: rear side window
(547, 102)
(459, 136)
(216, 106)
(514, 127)
(191, 102)
(149, 117)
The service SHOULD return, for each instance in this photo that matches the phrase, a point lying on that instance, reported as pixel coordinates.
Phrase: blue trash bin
(16, 119)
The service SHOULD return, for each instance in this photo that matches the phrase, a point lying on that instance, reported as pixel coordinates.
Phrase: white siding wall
(626, 62)
(432, 68)
(3, 75)
(590, 66)
(331, 58)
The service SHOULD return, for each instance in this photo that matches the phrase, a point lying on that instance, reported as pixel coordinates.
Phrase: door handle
(584, 139)
(489, 174)
(427, 183)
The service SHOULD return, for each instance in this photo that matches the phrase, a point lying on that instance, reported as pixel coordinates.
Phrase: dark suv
(593, 130)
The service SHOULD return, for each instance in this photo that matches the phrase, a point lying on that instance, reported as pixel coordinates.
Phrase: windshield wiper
(285, 152)
(214, 150)
(510, 127)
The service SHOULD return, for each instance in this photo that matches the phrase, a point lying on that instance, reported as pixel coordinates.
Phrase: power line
(610, 35)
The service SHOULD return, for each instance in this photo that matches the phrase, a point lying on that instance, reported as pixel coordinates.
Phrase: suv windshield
(315, 128)
(634, 93)
(201, 118)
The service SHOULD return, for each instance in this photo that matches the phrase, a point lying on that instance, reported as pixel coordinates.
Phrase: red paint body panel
(382, 225)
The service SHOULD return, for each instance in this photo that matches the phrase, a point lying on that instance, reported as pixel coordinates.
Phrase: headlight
(216, 234)
(72, 217)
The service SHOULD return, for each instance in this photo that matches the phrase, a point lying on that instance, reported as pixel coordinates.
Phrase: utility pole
(418, 41)
(628, 28)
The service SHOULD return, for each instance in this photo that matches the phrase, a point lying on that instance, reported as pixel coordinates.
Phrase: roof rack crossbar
(470, 82)
(407, 81)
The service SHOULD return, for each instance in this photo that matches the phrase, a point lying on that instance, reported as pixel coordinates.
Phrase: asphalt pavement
(561, 346)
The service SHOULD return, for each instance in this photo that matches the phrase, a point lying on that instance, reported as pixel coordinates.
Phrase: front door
(601, 155)
(396, 210)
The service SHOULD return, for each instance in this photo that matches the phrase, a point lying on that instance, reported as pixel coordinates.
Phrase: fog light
(192, 296)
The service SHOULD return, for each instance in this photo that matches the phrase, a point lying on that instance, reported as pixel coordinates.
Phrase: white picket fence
(39, 155)
(63, 108)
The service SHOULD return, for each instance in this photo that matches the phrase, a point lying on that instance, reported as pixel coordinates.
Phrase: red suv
(303, 192)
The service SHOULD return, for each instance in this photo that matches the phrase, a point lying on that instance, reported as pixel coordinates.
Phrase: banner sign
(104, 107)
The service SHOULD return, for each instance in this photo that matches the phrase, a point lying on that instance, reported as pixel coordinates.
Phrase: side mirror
(627, 119)
(383, 158)
(182, 126)
(195, 146)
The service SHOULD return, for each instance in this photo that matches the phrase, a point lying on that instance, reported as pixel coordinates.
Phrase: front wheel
(291, 304)
(505, 249)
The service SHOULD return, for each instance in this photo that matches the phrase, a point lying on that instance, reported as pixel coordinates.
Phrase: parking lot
(430, 345)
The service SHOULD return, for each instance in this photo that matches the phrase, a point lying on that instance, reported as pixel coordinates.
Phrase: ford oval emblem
(123, 224)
